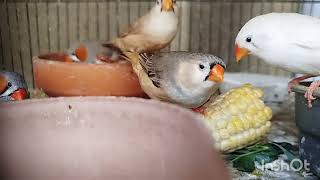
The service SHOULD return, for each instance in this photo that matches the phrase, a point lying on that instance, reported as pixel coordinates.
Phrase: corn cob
(238, 118)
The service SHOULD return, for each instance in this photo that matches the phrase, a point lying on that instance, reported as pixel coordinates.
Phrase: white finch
(187, 79)
(92, 52)
(12, 86)
(151, 32)
(288, 40)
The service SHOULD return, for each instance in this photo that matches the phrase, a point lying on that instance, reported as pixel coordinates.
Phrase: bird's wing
(306, 46)
(135, 28)
(306, 36)
(146, 61)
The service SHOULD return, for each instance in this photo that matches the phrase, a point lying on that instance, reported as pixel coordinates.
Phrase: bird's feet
(296, 81)
(309, 94)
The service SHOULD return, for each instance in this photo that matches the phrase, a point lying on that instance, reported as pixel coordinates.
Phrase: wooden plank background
(33, 27)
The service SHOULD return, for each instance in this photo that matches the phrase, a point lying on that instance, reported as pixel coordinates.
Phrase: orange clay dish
(59, 78)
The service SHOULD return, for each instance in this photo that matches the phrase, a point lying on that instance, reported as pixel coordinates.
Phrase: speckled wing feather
(150, 68)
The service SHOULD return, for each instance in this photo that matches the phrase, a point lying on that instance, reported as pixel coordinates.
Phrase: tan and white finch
(92, 52)
(151, 32)
(184, 78)
(288, 40)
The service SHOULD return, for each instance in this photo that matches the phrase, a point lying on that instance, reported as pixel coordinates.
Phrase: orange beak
(217, 74)
(167, 5)
(3, 84)
(19, 95)
(241, 53)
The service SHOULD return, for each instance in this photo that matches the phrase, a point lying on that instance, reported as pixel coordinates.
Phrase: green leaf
(246, 163)
(230, 157)
(265, 157)
(289, 154)
(244, 159)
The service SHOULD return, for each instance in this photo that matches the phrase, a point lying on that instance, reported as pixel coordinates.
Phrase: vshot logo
(281, 165)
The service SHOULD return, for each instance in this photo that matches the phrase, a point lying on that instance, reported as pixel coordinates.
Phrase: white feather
(160, 24)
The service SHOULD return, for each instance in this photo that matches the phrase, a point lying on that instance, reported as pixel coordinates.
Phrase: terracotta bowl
(105, 138)
(58, 78)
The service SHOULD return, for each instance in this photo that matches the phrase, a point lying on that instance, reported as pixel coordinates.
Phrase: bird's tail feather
(133, 57)
(112, 47)
(113, 51)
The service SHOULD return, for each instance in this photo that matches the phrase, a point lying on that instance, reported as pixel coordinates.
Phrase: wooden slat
(43, 27)
(306, 8)
(53, 26)
(204, 27)
(93, 21)
(215, 27)
(313, 12)
(5, 37)
(1, 52)
(254, 61)
(195, 26)
(123, 16)
(232, 66)
(184, 25)
(295, 7)
(113, 29)
(175, 44)
(225, 33)
(277, 7)
(152, 3)
(134, 11)
(144, 8)
(1, 43)
(22, 15)
(300, 7)
(83, 21)
(63, 26)
(33, 28)
(14, 37)
(103, 21)
(77, 22)
(287, 7)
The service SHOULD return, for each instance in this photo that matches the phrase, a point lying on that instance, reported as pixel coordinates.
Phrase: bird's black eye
(248, 39)
(174, 1)
(9, 84)
(158, 1)
(201, 66)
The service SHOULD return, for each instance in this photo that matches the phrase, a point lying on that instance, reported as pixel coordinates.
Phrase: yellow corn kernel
(224, 134)
(238, 118)
(221, 124)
